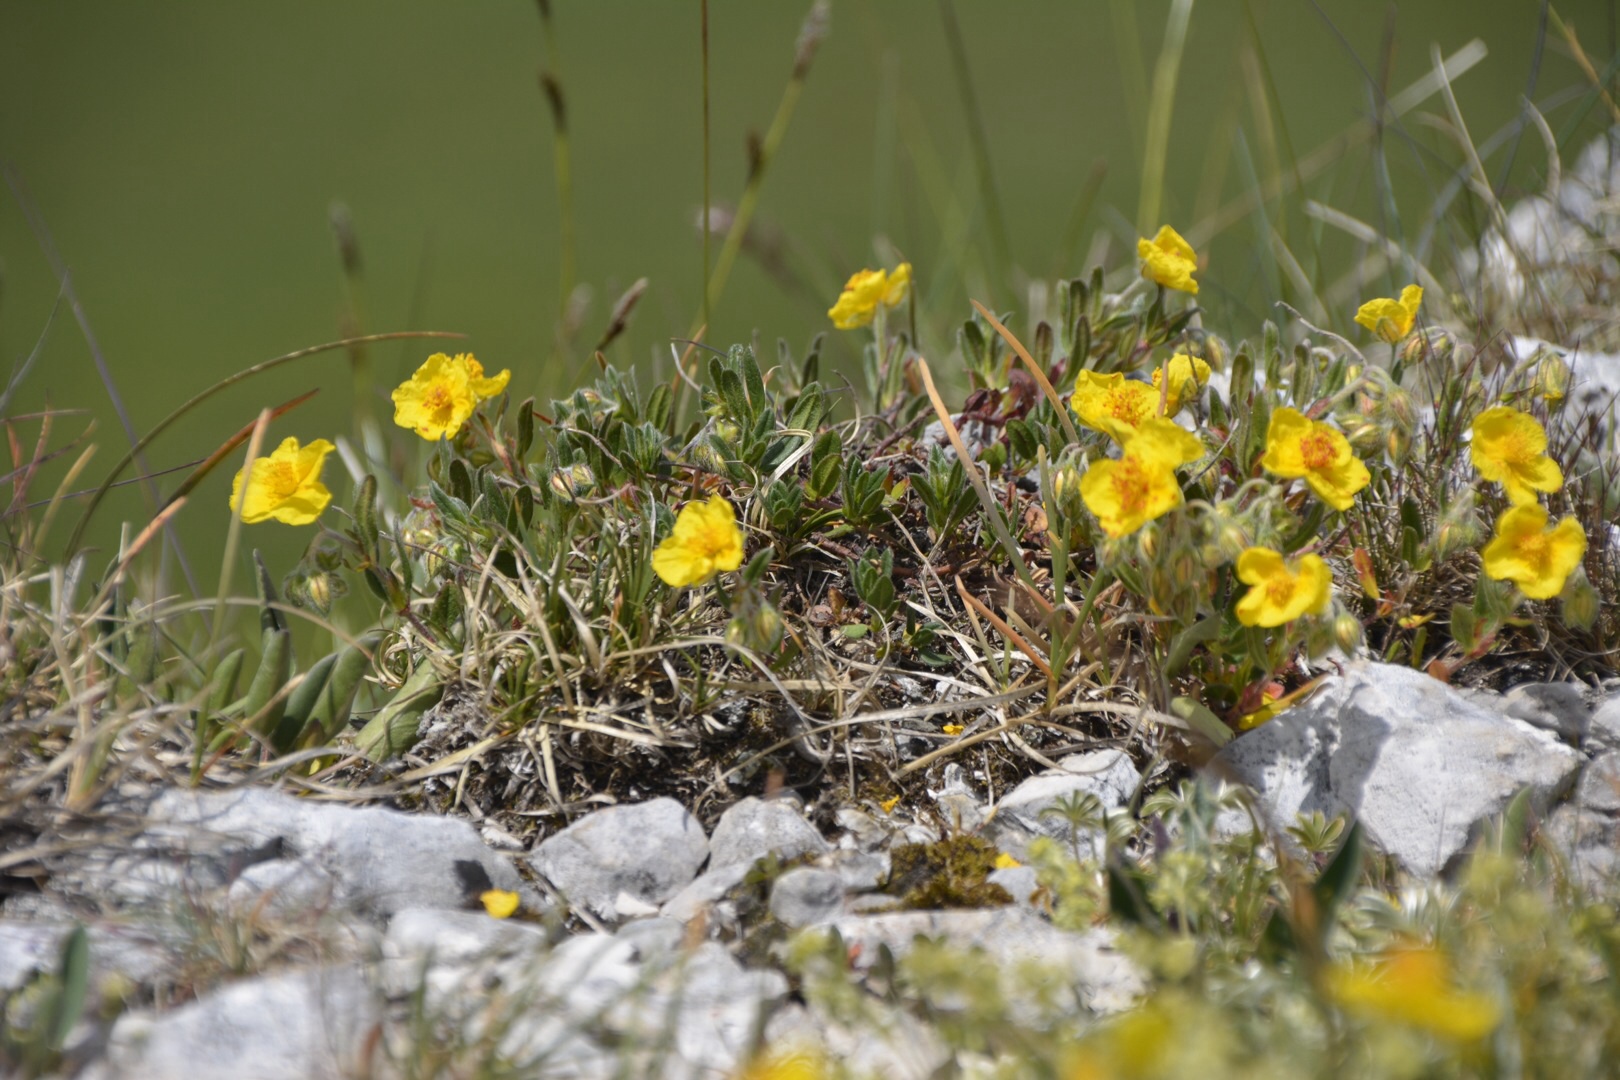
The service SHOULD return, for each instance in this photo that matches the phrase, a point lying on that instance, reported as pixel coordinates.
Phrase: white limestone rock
(1419, 765)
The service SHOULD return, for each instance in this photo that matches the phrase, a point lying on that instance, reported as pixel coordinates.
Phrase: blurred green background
(185, 157)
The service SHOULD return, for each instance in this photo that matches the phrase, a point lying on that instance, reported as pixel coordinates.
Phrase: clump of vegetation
(1100, 519)
(949, 873)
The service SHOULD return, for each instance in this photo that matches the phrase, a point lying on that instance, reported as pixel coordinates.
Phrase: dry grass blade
(1008, 632)
(992, 510)
(1034, 369)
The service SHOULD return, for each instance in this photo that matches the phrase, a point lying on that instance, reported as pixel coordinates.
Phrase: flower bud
(1580, 602)
(1347, 633)
(318, 589)
(1147, 541)
(1552, 377)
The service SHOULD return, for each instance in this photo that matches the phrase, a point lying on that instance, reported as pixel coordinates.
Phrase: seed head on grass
(286, 486)
(1298, 447)
(1391, 319)
(706, 541)
(1534, 557)
(865, 291)
(436, 400)
(1510, 448)
(1168, 260)
(1279, 592)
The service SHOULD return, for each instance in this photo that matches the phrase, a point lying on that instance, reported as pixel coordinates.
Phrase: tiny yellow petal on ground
(706, 540)
(1005, 861)
(953, 729)
(889, 804)
(286, 485)
(500, 903)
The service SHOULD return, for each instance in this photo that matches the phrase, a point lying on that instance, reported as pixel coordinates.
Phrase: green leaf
(300, 703)
(392, 730)
(275, 668)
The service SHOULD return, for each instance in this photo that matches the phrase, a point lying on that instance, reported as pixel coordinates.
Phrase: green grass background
(185, 154)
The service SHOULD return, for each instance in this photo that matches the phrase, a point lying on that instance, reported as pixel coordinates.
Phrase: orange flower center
(1317, 450)
(1533, 548)
(282, 479)
(1125, 406)
(1280, 590)
(1131, 487)
(438, 400)
(1514, 449)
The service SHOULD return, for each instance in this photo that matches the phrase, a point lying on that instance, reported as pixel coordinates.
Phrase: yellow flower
(1413, 986)
(1005, 861)
(1297, 446)
(1140, 486)
(286, 485)
(1535, 558)
(864, 291)
(499, 902)
(1510, 448)
(1188, 375)
(953, 729)
(442, 394)
(706, 540)
(1168, 260)
(1391, 319)
(790, 1066)
(1113, 404)
(1280, 593)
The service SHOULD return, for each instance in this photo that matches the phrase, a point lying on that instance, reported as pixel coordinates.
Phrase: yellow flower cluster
(1117, 406)
(865, 291)
(705, 541)
(1509, 447)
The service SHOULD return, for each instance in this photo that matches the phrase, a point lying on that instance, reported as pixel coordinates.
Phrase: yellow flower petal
(1280, 593)
(1168, 260)
(1509, 447)
(286, 486)
(499, 902)
(1005, 861)
(1413, 986)
(1188, 375)
(952, 729)
(1298, 447)
(1391, 319)
(1128, 493)
(1113, 404)
(1537, 559)
(864, 291)
(705, 541)
(436, 400)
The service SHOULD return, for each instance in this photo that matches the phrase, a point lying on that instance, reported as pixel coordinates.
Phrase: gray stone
(706, 891)
(26, 949)
(1019, 881)
(755, 828)
(1604, 730)
(958, 803)
(860, 872)
(455, 937)
(1599, 789)
(1558, 707)
(885, 1042)
(307, 1025)
(656, 938)
(624, 860)
(1039, 961)
(1022, 813)
(805, 896)
(1421, 767)
(378, 861)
